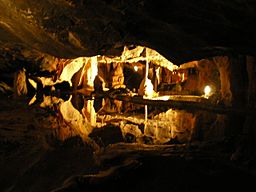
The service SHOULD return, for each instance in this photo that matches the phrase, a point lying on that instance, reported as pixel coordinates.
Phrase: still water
(83, 115)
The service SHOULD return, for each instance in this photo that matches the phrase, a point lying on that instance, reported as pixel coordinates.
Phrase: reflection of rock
(147, 140)
(89, 112)
(172, 124)
(130, 138)
(106, 135)
(74, 119)
(112, 106)
(50, 102)
(97, 104)
(131, 129)
(209, 127)
(77, 101)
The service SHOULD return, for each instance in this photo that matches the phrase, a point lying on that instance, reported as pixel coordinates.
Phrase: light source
(207, 91)
(136, 68)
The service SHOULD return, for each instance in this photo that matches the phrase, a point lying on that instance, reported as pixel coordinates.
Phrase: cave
(132, 95)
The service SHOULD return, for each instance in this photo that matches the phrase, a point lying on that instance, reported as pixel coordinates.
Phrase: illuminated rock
(146, 89)
(70, 69)
(74, 119)
(20, 84)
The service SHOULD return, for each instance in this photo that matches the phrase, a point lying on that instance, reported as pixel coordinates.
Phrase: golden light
(33, 83)
(70, 69)
(149, 89)
(136, 68)
(207, 91)
(163, 98)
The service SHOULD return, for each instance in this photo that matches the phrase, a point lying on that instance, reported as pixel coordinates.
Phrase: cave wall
(180, 30)
(250, 122)
(223, 65)
(208, 74)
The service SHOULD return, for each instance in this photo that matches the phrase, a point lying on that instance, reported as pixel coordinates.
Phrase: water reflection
(82, 115)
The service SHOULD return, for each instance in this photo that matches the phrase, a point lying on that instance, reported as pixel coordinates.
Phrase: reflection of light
(33, 83)
(32, 100)
(136, 68)
(207, 91)
(163, 98)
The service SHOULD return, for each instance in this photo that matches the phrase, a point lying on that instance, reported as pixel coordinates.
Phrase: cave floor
(32, 159)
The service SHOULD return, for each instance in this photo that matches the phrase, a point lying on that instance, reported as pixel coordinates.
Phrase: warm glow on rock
(136, 54)
(92, 71)
(147, 89)
(33, 83)
(74, 119)
(70, 69)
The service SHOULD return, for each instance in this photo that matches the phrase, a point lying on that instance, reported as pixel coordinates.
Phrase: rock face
(180, 30)
(223, 65)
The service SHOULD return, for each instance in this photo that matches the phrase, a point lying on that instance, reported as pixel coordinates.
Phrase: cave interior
(127, 95)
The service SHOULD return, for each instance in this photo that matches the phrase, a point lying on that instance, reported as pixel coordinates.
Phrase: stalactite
(117, 76)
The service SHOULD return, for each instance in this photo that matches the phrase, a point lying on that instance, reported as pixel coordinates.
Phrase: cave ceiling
(181, 30)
